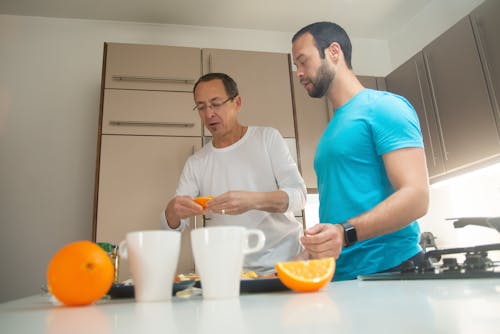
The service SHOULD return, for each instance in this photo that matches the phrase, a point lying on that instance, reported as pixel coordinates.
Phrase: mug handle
(260, 243)
(122, 249)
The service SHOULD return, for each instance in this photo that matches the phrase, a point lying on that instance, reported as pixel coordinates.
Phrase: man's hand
(232, 203)
(323, 240)
(181, 207)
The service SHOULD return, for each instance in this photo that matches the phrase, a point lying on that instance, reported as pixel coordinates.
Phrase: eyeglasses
(215, 106)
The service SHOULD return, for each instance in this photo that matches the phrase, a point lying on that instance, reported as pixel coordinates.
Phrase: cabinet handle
(476, 31)
(433, 95)
(152, 79)
(139, 123)
(425, 113)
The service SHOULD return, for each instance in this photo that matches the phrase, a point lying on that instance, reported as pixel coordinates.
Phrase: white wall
(50, 76)
(476, 194)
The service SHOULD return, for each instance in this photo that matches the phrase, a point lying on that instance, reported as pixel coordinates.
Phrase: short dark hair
(324, 34)
(230, 85)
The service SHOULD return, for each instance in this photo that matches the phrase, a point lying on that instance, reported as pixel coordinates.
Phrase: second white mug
(218, 255)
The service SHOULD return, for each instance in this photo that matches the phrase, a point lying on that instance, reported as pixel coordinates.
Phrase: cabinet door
(377, 83)
(410, 81)
(151, 67)
(264, 82)
(461, 98)
(368, 82)
(486, 22)
(138, 176)
(312, 118)
(149, 113)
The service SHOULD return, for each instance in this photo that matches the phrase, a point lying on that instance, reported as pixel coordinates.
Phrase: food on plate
(203, 200)
(243, 275)
(254, 275)
(186, 277)
(306, 276)
(248, 274)
(80, 273)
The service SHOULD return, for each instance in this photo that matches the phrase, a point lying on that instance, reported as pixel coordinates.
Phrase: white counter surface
(430, 306)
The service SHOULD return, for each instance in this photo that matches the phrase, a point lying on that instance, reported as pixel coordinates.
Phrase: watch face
(350, 234)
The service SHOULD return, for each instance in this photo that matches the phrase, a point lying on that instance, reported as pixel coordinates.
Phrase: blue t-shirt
(352, 177)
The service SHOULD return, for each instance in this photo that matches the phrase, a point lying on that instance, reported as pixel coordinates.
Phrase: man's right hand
(323, 240)
(181, 207)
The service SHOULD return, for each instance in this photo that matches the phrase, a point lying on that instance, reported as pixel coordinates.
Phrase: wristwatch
(350, 235)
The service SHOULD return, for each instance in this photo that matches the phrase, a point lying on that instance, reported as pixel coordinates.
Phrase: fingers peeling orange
(203, 201)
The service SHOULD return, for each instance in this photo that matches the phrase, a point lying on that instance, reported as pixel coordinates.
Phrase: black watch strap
(350, 235)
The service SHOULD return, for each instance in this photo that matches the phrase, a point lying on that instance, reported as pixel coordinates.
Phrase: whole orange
(80, 273)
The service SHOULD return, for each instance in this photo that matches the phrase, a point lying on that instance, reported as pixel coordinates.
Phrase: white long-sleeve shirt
(260, 161)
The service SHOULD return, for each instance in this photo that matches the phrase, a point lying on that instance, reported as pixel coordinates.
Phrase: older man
(250, 172)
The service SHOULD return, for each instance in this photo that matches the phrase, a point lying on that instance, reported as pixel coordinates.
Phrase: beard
(322, 82)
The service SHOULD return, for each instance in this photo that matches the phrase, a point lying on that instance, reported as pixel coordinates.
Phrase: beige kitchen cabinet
(410, 81)
(377, 83)
(147, 130)
(312, 119)
(460, 97)
(151, 67)
(263, 80)
(138, 112)
(137, 177)
(486, 24)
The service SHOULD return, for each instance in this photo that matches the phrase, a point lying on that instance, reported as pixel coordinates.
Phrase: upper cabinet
(410, 80)
(151, 67)
(460, 97)
(454, 85)
(486, 24)
(263, 79)
(377, 83)
(137, 112)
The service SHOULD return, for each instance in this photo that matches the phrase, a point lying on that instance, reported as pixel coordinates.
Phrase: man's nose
(209, 112)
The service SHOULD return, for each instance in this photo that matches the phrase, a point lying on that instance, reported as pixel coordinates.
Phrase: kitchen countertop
(426, 306)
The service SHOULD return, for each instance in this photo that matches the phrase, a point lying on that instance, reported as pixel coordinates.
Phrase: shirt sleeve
(286, 172)
(397, 126)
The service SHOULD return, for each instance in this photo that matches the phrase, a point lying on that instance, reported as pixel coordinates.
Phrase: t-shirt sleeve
(395, 125)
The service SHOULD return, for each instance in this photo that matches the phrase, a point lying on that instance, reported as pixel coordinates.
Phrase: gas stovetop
(477, 264)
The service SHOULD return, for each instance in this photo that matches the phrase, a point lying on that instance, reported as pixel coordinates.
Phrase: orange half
(306, 276)
(203, 200)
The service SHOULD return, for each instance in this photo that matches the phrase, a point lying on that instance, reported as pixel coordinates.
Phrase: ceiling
(361, 18)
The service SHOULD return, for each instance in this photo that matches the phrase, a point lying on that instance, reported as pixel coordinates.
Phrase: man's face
(314, 73)
(216, 110)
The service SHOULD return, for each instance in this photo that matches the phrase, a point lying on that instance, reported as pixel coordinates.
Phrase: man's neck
(343, 88)
(229, 138)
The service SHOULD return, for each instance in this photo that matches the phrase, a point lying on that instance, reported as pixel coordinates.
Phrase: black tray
(127, 291)
(258, 285)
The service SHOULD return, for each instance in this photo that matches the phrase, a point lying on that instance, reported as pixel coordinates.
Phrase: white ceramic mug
(218, 256)
(152, 257)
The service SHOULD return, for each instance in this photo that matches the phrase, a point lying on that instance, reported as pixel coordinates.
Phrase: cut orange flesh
(306, 276)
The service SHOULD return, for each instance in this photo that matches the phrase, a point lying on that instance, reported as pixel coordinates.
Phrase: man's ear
(334, 52)
(238, 102)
